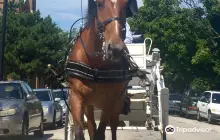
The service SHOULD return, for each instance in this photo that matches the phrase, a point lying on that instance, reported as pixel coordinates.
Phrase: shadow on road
(46, 128)
(46, 137)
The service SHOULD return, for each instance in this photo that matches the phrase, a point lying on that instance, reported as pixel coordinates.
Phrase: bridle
(100, 28)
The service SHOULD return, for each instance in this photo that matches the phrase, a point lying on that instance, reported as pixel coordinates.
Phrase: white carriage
(149, 102)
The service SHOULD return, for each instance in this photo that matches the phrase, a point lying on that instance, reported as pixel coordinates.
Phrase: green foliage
(186, 38)
(13, 76)
(32, 42)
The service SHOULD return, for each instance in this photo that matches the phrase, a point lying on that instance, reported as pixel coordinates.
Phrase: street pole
(2, 49)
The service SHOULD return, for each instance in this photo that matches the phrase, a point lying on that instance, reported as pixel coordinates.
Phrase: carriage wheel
(164, 137)
(163, 134)
(163, 131)
(164, 102)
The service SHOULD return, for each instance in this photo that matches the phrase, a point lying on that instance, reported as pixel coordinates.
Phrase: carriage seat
(139, 38)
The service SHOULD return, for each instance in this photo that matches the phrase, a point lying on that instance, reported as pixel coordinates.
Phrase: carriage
(149, 97)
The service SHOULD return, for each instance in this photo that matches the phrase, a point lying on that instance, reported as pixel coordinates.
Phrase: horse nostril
(109, 47)
(116, 50)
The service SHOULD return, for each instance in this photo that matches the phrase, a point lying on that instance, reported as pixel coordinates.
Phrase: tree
(32, 42)
(184, 36)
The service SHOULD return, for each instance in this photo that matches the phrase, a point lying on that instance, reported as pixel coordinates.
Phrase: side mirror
(29, 97)
(57, 100)
(207, 101)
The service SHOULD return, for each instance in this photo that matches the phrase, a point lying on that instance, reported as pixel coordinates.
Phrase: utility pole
(2, 49)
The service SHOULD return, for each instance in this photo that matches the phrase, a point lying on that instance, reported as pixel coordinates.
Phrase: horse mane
(91, 12)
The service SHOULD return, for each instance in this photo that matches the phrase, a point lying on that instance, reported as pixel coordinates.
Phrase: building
(29, 5)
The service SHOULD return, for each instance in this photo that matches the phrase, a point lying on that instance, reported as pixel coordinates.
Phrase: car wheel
(40, 132)
(53, 125)
(25, 128)
(181, 112)
(187, 114)
(60, 122)
(210, 119)
(198, 116)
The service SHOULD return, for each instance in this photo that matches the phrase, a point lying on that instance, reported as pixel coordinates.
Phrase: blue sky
(64, 12)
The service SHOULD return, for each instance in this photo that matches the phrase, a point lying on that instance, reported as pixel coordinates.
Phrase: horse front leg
(77, 110)
(100, 133)
(89, 112)
(114, 122)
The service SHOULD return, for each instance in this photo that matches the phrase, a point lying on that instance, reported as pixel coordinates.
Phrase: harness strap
(81, 70)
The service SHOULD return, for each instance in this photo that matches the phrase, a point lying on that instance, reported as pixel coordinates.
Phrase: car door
(206, 104)
(29, 106)
(202, 104)
(184, 103)
(56, 105)
(37, 107)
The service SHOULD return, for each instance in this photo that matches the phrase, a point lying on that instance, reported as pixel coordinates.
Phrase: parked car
(20, 110)
(209, 106)
(51, 107)
(174, 103)
(188, 104)
(63, 95)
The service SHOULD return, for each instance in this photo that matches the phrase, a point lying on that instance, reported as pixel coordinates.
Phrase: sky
(64, 12)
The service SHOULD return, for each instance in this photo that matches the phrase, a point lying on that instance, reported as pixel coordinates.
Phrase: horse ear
(132, 8)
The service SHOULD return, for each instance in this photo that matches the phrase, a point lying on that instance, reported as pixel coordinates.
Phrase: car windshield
(10, 91)
(216, 98)
(43, 95)
(195, 93)
(59, 94)
(175, 97)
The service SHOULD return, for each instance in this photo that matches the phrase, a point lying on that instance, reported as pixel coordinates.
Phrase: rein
(100, 26)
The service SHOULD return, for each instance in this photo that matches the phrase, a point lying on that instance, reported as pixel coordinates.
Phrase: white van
(209, 106)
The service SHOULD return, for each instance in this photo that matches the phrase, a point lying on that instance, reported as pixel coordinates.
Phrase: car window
(10, 91)
(59, 94)
(52, 94)
(195, 93)
(202, 98)
(25, 90)
(43, 95)
(216, 98)
(208, 96)
(175, 97)
(29, 88)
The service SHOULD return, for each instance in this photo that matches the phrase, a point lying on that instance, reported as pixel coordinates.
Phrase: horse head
(110, 18)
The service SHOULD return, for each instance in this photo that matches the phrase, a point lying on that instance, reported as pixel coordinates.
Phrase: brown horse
(98, 73)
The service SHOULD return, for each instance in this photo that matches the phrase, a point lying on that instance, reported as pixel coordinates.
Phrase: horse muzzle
(114, 52)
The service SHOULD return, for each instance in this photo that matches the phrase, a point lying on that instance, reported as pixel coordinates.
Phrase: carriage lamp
(156, 54)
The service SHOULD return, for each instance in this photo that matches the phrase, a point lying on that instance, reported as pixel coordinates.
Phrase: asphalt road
(207, 132)
(186, 129)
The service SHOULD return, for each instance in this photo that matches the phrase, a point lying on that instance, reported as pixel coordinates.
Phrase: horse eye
(99, 4)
